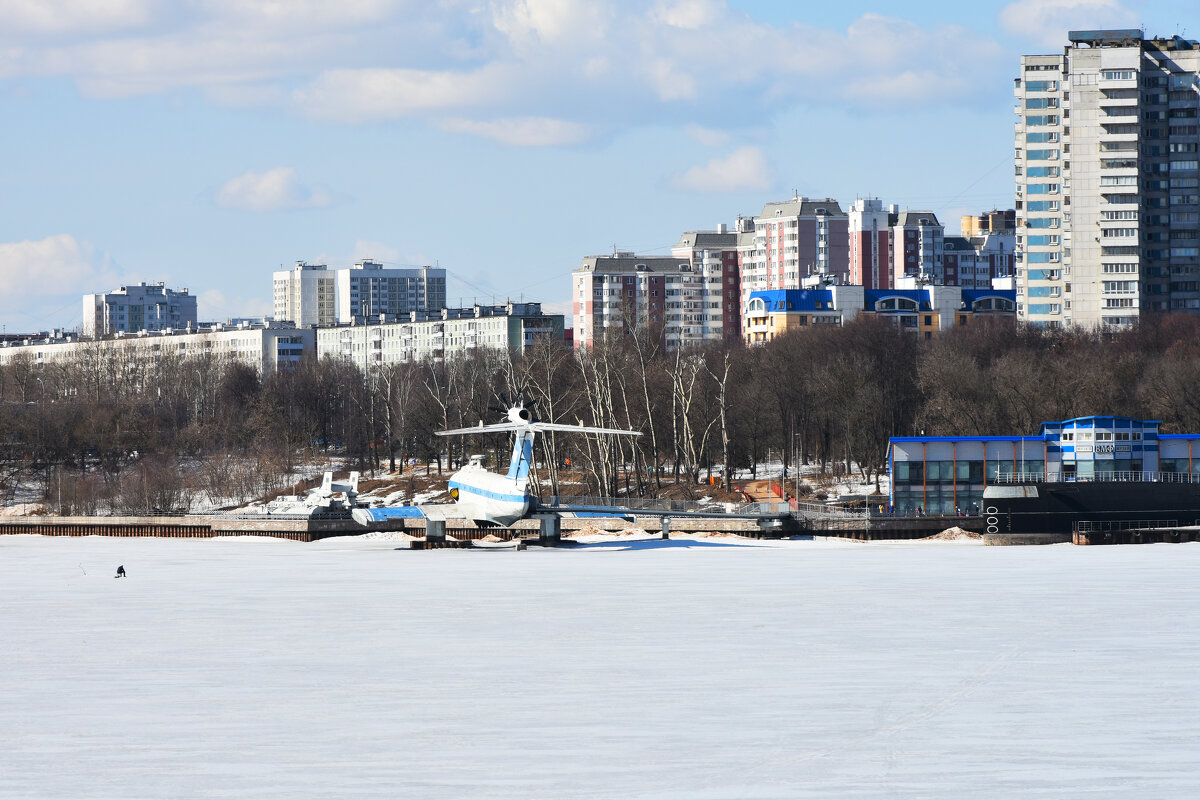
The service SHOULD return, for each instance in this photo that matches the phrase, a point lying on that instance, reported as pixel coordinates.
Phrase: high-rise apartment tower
(1107, 193)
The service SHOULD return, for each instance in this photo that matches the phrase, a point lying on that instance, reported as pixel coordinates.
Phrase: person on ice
(120, 572)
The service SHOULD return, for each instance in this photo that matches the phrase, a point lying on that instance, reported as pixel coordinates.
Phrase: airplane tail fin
(522, 455)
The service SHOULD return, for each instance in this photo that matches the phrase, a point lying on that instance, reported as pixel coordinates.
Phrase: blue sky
(205, 143)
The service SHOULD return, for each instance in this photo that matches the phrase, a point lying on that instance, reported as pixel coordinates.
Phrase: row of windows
(1101, 436)
(922, 472)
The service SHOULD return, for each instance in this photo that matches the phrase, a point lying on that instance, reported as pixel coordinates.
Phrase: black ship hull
(1059, 508)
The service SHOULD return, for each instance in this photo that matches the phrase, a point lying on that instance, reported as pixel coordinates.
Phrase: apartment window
(1117, 74)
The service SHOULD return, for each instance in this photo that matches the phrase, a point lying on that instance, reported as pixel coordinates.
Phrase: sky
(207, 143)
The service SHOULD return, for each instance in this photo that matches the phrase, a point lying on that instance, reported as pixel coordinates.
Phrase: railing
(1099, 477)
(675, 506)
(1099, 526)
(697, 508)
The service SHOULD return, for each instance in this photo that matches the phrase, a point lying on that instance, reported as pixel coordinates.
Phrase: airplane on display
(503, 499)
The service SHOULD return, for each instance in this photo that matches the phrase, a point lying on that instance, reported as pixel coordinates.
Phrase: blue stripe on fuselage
(514, 498)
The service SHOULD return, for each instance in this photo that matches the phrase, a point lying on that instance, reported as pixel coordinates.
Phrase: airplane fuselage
(488, 497)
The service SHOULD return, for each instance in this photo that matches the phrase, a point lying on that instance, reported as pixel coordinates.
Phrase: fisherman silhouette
(120, 572)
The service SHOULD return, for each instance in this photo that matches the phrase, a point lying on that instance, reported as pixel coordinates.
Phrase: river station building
(942, 474)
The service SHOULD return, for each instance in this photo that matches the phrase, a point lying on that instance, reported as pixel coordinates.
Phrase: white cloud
(52, 266)
(533, 24)
(745, 169)
(1047, 21)
(357, 95)
(688, 14)
(669, 80)
(273, 190)
(303, 13)
(527, 132)
(72, 16)
(707, 136)
(500, 69)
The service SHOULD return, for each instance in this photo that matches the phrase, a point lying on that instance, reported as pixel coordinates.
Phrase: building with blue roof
(939, 474)
(924, 310)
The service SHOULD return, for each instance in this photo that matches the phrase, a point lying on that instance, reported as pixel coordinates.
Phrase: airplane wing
(534, 426)
(551, 426)
(481, 428)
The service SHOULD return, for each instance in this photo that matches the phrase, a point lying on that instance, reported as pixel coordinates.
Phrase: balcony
(1107, 134)
(1117, 102)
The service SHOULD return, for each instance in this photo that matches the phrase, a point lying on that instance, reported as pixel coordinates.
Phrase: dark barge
(1111, 508)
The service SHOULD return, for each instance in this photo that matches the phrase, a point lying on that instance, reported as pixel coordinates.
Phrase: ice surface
(702, 668)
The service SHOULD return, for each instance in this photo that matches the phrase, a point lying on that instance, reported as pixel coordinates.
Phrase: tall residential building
(145, 307)
(887, 245)
(870, 243)
(313, 294)
(994, 221)
(917, 247)
(305, 295)
(667, 295)
(1107, 180)
(793, 239)
(973, 263)
(714, 255)
(369, 289)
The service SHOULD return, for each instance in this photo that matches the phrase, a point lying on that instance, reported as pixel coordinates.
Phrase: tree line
(107, 430)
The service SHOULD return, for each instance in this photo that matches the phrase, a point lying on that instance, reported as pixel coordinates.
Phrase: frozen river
(685, 669)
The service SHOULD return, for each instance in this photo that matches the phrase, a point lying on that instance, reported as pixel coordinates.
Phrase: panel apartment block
(144, 307)
(681, 302)
(1107, 180)
(792, 240)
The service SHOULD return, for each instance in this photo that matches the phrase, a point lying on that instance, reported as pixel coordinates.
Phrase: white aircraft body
(503, 499)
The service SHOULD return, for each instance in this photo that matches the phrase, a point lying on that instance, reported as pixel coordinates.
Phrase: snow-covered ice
(689, 668)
